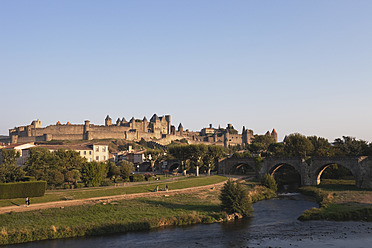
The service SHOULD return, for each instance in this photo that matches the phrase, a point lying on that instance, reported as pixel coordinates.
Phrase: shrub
(269, 182)
(137, 178)
(126, 168)
(22, 189)
(234, 198)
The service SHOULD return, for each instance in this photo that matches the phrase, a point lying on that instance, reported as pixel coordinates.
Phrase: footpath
(103, 199)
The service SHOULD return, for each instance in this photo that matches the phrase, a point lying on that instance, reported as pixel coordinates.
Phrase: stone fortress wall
(158, 129)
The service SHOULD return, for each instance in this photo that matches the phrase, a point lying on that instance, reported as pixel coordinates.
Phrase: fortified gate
(310, 170)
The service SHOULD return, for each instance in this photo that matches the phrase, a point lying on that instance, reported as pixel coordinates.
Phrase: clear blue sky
(296, 66)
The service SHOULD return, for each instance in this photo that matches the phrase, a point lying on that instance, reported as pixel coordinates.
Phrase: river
(274, 224)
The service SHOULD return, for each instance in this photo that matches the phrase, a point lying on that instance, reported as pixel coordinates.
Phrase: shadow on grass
(184, 206)
(16, 204)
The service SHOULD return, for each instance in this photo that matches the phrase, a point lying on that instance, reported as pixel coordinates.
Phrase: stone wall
(59, 129)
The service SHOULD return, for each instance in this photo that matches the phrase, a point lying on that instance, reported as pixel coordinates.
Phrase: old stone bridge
(310, 169)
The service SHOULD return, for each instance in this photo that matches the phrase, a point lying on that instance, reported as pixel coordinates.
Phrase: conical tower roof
(154, 118)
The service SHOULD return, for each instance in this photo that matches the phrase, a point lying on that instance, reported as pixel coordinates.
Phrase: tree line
(298, 145)
(61, 168)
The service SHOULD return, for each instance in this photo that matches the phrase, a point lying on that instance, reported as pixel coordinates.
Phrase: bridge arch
(322, 168)
(243, 168)
(287, 176)
(276, 167)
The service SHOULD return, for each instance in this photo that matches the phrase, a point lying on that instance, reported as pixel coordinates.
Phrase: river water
(274, 224)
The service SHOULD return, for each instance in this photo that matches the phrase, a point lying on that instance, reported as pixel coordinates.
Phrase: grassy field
(121, 216)
(113, 217)
(339, 200)
(130, 188)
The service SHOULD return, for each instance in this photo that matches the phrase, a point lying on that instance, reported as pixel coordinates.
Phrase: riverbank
(339, 201)
(122, 216)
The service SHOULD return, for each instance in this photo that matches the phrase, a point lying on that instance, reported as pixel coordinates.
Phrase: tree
(126, 169)
(72, 176)
(234, 198)
(93, 173)
(211, 157)
(182, 154)
(269, 182)
(152, 156)
(261, 143)
(197, 152)
(55, 178)
(276, 149)
(298, 145)
(245, 154)
(113, 171)
(349, 146)
(42, 165)
(321, 146)
(9, 170)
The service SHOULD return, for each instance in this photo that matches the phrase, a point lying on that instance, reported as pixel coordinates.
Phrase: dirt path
(62, 204)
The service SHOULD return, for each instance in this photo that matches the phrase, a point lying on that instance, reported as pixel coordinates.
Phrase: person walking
(27, 201)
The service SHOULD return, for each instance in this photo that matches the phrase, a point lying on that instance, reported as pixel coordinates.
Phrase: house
(136, 157)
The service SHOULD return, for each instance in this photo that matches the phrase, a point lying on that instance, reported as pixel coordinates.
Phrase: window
(90, 159)
(85, 152)
(90, 152)
(97, 158)
(104, 157)
(104, 149)
(97, 149)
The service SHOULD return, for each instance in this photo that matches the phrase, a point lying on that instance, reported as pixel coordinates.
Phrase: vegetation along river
(274, 224)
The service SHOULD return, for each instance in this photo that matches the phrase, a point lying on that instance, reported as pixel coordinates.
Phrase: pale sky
(296, 66)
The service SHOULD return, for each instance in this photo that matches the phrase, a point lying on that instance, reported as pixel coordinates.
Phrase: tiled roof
(67, 147)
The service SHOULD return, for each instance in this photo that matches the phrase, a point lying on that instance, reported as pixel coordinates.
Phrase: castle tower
(145, 124)
(274, 134)
(132, 123)
(108, 121)
(118, 122)
(168, 119)
(180, 129)
(173, 130)
(123, 120)
(226, 137)
(36, 124)
(268, 133)
(86, 130)
(244, 136)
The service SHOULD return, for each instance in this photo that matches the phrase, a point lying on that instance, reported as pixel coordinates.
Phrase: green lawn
(58, 195)
(113, 217)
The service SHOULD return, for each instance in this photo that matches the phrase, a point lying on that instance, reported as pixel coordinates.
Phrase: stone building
(158, 129)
